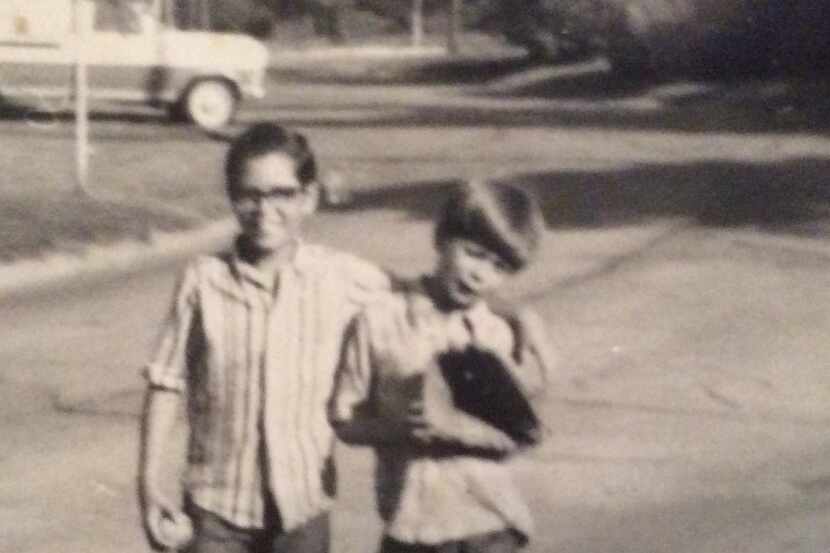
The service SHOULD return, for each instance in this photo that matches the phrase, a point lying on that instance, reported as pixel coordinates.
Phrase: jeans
(214, 535)
(506, 541)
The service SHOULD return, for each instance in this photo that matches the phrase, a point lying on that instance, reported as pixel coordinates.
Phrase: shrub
(720, 37)
(803, 36)
(554, 30)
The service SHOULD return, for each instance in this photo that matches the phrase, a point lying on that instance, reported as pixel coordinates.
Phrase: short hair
(502, 217)
(264, 138)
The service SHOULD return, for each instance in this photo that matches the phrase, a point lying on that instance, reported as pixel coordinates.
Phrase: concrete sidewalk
(638, 456)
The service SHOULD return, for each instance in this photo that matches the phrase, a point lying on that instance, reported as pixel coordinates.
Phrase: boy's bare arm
(539, 357)
(534, 355)
(454, 428)
(160, 412)
(467, 434)
(445, 423)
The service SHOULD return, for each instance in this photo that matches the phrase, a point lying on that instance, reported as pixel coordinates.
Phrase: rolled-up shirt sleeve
(167, 369)
(365, 280)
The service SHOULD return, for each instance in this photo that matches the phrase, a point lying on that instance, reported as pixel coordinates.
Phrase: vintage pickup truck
(133, 53)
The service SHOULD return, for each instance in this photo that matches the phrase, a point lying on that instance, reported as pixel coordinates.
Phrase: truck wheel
(210, 104)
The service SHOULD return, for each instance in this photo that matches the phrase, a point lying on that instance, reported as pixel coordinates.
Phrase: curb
(819, 247)
(53, 269)
(297, 57)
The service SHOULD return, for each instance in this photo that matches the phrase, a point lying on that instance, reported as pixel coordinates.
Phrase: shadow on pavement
(15, 111)
(787, 197)
(144, 124)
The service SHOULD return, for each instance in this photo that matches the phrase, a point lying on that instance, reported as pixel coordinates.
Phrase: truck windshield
(190, 14)
(120, 16)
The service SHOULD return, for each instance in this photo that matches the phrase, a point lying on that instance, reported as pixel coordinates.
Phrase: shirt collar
(243, 270)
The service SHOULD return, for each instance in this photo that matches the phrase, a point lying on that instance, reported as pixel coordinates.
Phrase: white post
(453, 26)
(417, 23)
(206, 15)
(81, 96)
(166, 17)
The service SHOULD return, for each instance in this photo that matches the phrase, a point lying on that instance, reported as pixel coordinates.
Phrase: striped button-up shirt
(256, 357)
(423, 498)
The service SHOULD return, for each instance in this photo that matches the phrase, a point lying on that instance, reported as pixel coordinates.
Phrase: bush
(688, 36)
(260, 24)
(720, 38)
(398, 11)
(714, 38)
(553, 30)
(803, 37)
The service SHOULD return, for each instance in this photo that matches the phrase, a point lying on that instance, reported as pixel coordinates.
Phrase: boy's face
(467, 271)
(270, 202)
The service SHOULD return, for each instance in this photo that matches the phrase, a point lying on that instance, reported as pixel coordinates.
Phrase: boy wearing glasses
(250, 346)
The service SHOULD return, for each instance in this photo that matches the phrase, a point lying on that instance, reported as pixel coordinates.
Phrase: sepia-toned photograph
(414, 276)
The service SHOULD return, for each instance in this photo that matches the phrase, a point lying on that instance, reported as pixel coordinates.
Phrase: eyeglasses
(253, 197)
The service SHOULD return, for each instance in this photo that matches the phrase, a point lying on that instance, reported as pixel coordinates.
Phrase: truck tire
(210, 103)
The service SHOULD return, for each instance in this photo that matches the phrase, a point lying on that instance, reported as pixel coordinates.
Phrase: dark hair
(500, 216)
(264, 138)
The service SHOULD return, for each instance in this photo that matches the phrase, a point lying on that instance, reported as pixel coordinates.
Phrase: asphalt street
(691, 408)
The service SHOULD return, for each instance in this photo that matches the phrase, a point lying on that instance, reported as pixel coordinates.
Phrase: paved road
(690, 414)
(691, 410)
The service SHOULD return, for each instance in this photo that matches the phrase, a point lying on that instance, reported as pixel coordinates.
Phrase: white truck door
(35, 51)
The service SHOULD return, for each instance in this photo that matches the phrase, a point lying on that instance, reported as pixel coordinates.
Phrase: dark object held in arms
(482, 386)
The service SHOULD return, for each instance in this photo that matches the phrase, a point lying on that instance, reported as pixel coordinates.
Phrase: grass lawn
(136, 188)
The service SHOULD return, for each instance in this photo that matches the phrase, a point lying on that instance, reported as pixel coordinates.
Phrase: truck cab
(133, 53)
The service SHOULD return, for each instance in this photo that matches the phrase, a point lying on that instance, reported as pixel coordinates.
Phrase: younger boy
(443, 480)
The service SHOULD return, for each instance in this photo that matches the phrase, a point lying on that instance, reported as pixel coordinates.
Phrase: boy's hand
(469, 435)
(164, 524)
(418, 429)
